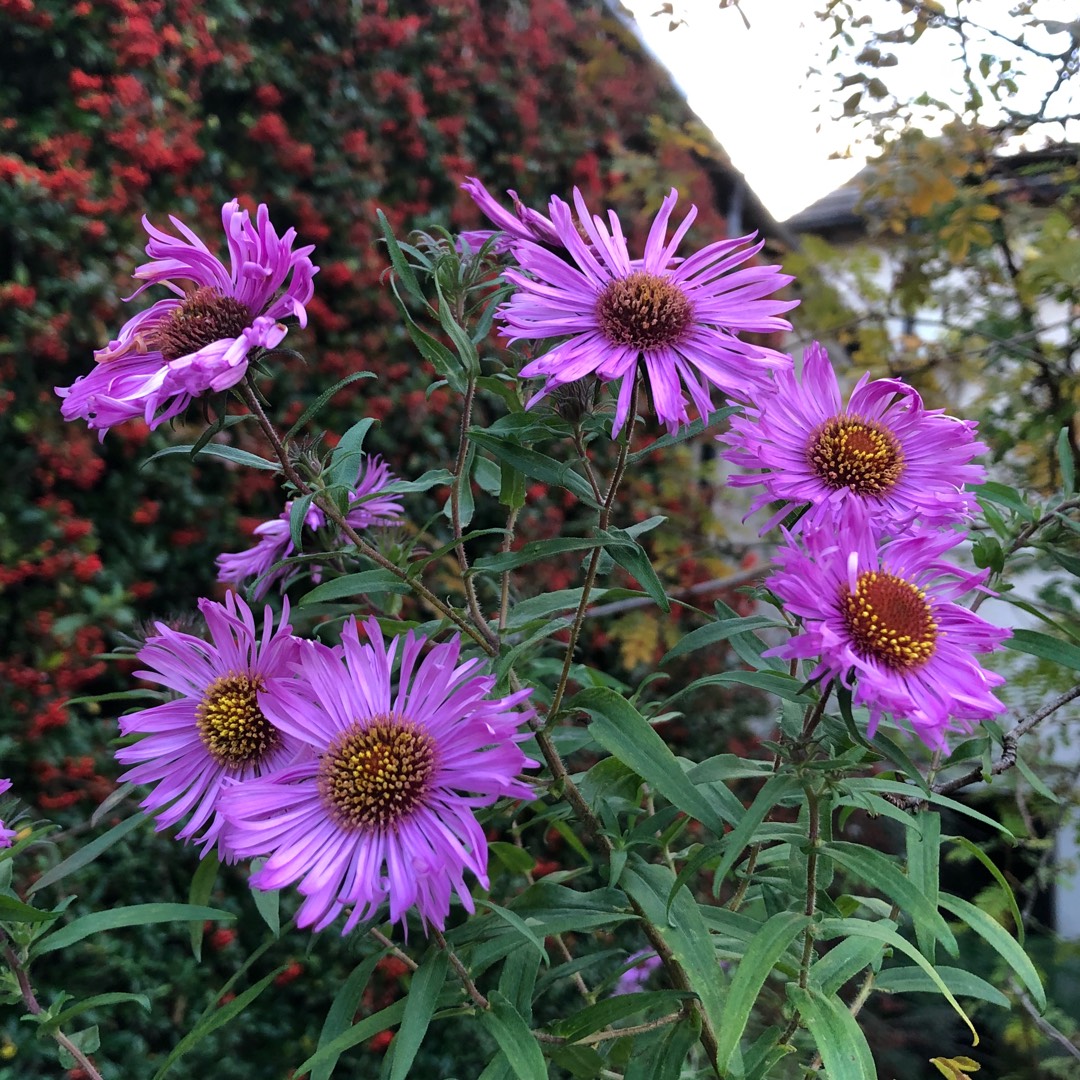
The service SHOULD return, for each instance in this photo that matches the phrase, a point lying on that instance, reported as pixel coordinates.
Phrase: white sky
(750, 87)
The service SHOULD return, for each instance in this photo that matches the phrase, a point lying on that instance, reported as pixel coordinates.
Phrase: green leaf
(683, 928)
(202, 885)
(923, 840)
(218, 450)
(136, 915)
(268, 905)
(716, 632)
(516, 860)
(773, 790)
(348, 455)
(607, 1012)
(316, 406)
(342, 1010)
(12, 910)
(1010, 897)
(1005, 496)
(401, 266)
(621, 730)
(995, 935)
(534, 464)
(424, 482)
(766, 947)
(1046, 647)
(519, 926)
(350, 1037)
(843, 962)
(844, 1051)
(783, 686)
(98, 1001)
(913, 980)
(364, 583)
(878, 871)
(884, 932)
(664, 1057)
(536, 550)
(88, 853)
(1065, 462)
(420, 1002)
(214, 1020)
(505, 1024)
(635, 561)
(684, 433)
(297, 514)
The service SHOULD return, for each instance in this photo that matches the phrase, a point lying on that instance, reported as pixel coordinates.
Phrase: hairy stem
(327, 507)
(478, 999)
(594, 560)
(34, 1008)
(455, 516)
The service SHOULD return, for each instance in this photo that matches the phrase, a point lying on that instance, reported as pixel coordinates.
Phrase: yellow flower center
(231, 725)
(644, 311)
(857, 454)
(890, 620)
(372, 777)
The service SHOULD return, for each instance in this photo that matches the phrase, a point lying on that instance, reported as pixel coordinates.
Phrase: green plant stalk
(813, 804)
(455, 517)
(361, 545)
(594, 560)
(33, 1006)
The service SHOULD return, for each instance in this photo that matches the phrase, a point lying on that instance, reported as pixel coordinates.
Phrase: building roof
(1028, 172)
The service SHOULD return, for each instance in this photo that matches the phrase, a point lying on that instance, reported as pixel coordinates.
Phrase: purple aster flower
(198, 341)
(882, 450)
(682, 317)
(369, 506)
(216, 730)
(383, 808)
(274, 545)
(634, 978)
(7, 836)
(523, 224)
(880, 616)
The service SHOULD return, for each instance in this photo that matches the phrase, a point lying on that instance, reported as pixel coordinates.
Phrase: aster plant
(883, 451)
(678, 319)
(200, 339)
(382, 810)
(264, 564)
(880, 616)
(216, 730)
(397, 752)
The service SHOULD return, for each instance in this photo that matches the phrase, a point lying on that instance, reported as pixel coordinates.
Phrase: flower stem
(479, 1000)
(33, 1006)
(594, 560)
(327, 507)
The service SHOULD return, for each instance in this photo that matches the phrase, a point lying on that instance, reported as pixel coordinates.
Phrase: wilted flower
(681, 317)
(217, 729)
(199, 340)
(382, 809)
(880, 616)
(883, 450)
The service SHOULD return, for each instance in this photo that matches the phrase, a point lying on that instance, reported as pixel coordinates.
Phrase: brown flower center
(231, 725)
(204, 317)
(890, 620)
(858, 454)
(644, 311)
(373, 777)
